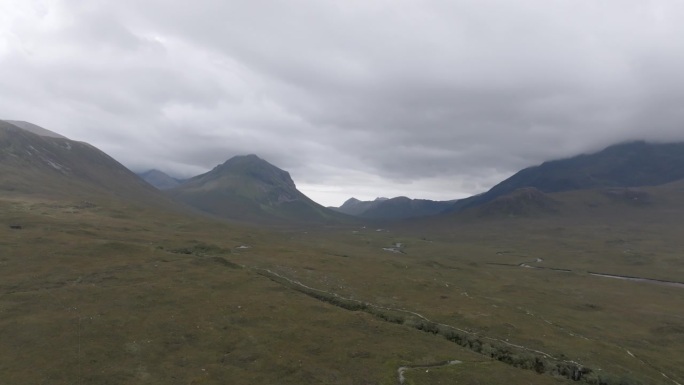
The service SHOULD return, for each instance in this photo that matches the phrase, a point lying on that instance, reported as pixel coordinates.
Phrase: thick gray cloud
(430, 99)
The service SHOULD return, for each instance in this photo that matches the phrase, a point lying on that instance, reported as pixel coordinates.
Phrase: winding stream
(528, 265)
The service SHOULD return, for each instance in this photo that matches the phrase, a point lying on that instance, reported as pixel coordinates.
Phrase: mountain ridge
(248, 188)
(56, 167)
(33, 128)
(405, 208)
(353, 206)
(629, 164)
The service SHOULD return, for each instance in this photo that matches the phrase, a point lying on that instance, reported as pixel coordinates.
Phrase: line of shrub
(507, 354)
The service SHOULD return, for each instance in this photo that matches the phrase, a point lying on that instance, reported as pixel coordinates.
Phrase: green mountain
(631, 164)
(48, 165)
(248, 188)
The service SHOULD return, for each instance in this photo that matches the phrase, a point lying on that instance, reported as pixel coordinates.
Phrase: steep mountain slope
(30, 127)
(159, 179)
(56, 167)
(661, 205)
(523, 202)
(624, 165)
(247, 188)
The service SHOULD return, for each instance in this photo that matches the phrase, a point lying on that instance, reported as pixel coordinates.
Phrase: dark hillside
(403, 207)
(394, 208)
(523, 202)
(353, 206)
(632, 164)
(248, 188)
(56, 167)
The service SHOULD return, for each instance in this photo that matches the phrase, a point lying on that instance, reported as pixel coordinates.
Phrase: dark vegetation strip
(503, 351)
(640, 279)
(205, 251)
(514, 355)
(225, 262)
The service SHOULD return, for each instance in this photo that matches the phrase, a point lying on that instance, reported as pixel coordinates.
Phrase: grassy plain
(107, 293)
(464, 272)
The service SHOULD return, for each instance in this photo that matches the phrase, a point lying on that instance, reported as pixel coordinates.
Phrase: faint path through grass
(402, 369)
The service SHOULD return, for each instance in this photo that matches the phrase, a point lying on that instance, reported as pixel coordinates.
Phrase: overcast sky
(426, 98)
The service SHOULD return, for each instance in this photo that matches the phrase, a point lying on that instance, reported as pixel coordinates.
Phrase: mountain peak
(351, 201)
(247, 187)
(244, 159)
(255, 168)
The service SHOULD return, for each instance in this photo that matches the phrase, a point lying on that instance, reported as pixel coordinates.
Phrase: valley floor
(109, 293)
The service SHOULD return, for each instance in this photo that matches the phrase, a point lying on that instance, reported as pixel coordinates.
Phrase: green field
(109, 293)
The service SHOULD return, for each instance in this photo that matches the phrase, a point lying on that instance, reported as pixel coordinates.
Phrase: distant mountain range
(394, 208)
(633, 164)
(248, 188)
(159, 179)
(354, 206)
(36, 161)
